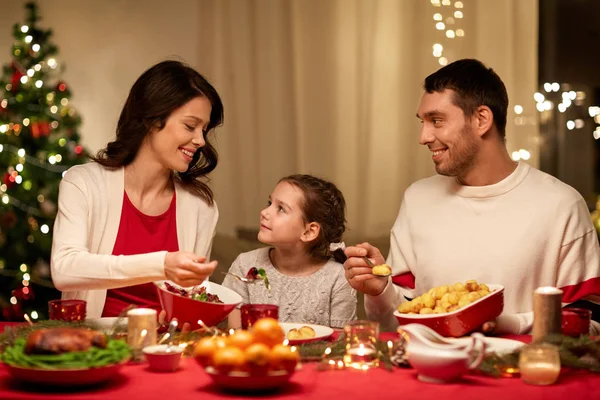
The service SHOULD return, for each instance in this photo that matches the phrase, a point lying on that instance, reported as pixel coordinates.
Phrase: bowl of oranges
(454, 310)
(249, 360)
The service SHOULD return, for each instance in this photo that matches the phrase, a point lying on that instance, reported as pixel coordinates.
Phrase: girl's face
(282, 221)
(183, 135)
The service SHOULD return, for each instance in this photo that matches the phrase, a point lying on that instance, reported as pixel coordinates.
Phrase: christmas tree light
(38, 143)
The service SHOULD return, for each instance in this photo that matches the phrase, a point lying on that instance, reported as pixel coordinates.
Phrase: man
(483, 216)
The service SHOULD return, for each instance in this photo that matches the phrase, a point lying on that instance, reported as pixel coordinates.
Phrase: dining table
(136, 381)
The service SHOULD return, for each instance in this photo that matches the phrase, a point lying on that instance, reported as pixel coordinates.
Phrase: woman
(142, 211)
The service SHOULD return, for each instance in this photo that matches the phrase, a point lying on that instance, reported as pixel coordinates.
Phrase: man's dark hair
(475, 85)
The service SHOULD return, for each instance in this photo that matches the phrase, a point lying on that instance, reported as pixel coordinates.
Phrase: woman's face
(183, 135)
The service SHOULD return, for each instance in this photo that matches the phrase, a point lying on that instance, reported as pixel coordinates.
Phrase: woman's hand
(163, 324)
(187, 269)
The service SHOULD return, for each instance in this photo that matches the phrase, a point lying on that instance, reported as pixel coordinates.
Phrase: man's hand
(359, 274)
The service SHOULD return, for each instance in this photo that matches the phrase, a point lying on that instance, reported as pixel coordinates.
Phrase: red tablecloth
(138, 382)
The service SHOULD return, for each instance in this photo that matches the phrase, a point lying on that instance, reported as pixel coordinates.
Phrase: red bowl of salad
(208, 302)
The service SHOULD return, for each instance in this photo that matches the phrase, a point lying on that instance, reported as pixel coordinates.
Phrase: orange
(206, 347)
(282, 357)
(268, 331)
(257, 358)
(241, 339)
(228, 359)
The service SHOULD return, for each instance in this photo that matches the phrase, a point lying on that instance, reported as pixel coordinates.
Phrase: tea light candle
(539, 364)
(141, 328)
(360, 357)
(546, 311)
(540, 373)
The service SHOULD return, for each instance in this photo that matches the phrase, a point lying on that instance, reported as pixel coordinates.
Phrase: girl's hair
(154, 96)
(323, 203)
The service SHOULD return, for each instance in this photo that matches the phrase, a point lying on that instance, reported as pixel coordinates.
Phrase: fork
(240, 278)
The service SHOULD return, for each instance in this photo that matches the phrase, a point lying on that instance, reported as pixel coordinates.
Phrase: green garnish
(115, 352)
(263, 275)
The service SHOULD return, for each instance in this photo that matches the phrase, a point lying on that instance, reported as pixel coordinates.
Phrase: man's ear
(311, 232)
(483, 120)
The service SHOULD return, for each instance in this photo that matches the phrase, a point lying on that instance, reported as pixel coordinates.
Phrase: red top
(140, 233)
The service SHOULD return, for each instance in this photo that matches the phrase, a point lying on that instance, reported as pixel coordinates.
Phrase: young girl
(303, 225)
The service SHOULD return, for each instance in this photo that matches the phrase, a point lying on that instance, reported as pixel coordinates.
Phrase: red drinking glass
(576, 321)
(253, 312)
(67, 310)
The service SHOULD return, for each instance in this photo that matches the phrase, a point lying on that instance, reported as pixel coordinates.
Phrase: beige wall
(328, 87)
(105, 46)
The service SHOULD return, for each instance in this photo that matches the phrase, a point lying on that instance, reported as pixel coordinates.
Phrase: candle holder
(141, 330)
(361, 344)
(67, 310)
(250, 313)
(576, 321)
(539, 364)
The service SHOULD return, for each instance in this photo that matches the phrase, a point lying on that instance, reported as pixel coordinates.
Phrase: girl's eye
(190, 128)
(280, 209)
(269, 203)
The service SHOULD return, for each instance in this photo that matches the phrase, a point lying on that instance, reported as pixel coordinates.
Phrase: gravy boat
(438, 360)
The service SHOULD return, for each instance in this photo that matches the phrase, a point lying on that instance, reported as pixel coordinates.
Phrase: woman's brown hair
(153, 97)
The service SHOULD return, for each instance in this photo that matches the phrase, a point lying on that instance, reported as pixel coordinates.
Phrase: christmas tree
(38, 142)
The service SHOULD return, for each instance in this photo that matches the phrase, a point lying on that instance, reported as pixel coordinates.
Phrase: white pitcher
(438, 360)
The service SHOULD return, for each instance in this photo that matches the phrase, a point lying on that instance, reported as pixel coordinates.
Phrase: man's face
(448, 134)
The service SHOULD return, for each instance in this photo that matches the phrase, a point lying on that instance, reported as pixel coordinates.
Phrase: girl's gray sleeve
(343, 303)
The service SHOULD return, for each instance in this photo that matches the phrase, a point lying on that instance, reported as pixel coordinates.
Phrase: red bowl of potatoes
(458, 319)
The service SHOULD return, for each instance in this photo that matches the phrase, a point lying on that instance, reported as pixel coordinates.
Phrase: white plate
(321, 332)
(107, 323)
(494, 344)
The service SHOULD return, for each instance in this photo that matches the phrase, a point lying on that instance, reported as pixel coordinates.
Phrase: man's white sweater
(528, 230)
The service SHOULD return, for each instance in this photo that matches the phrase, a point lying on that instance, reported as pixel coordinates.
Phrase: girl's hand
(187, 269)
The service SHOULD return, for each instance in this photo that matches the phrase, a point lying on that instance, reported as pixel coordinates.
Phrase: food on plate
(268, 331)
(382, 270)
(283, 358)
(63, 340)
(196, 293)
(206, 347)
(256, 273)
(65, 348)
(446, 298)
(227, 359)
(304, 332)
(241, 339)
(258, 356)
(255, 351)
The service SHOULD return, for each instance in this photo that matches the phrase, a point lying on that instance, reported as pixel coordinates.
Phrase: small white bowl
(163, 358)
